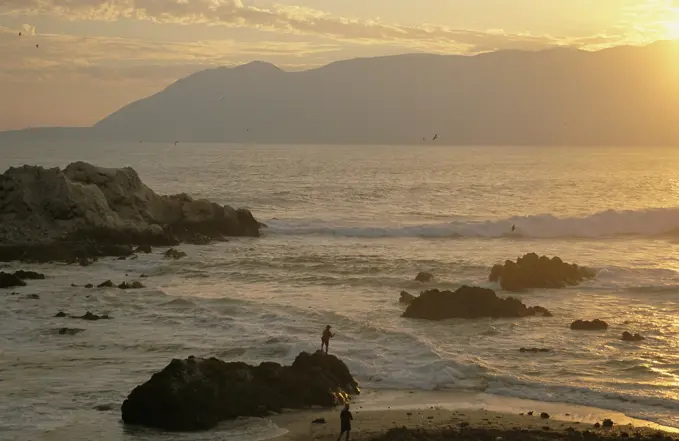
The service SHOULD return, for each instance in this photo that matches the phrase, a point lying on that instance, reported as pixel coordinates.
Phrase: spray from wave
(610, 223)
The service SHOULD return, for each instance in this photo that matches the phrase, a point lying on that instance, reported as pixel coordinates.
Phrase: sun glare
(672, 29)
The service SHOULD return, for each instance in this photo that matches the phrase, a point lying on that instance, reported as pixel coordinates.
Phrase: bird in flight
(435, 137)
(37, 46)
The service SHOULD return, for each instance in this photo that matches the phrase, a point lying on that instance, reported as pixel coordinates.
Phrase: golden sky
(95, 56)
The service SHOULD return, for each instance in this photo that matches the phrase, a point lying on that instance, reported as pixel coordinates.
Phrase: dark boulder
(132, 285)
(198, 393)
(406, 298)
(29, 275)
(424, 277)
(467, 302)
(8, 280)
(106, 284)
(627, 336)
(544, 415)
(585, 325)
(174, 253)
(69, 331)
(60, 314)
(146, 249)
(532, 271)
(87, 316)
(607, 423)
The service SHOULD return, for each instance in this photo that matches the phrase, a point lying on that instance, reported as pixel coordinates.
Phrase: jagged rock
(132, 285)
(424, 277)
(586, 325)
(106, 284)
(84, 211)
(60, 314)
(535, 350)
(173, 253)
(626, 336)
(544, 415)
(198, 393)
(146, 249)
(29, 275)
(8, 280)
(607, 423)
(69, 331)
(468, 302)
(531, 271)
(406, 298)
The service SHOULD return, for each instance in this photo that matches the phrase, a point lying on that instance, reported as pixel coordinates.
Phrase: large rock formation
(468, 302)
(532, 271)
(198, 393)
(586, 325)
(84, 210)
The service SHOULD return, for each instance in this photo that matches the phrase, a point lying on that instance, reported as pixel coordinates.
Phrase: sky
(76, 61)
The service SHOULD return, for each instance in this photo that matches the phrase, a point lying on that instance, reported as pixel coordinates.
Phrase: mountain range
(627, 95)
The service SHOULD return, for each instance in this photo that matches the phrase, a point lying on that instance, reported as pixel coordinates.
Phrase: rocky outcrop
(84, 211)
(69, 331)
(468, 302)
(87, 316)
(29, 275)
(424, 277)
(532, 271)
(198, 393)
(131, 285)
(8, 280)
(174, 253)
(406, 298)
(627, 336)
(586, 325)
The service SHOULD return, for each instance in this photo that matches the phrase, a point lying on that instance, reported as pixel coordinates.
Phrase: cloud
(288, 19)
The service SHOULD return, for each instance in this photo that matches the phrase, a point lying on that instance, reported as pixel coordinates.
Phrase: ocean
(349, 228)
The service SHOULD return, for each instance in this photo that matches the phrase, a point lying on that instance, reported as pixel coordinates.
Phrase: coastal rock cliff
(84, 210)
(533, 271)
(198, 393)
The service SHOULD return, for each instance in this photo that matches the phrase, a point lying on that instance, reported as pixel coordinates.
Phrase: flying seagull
(435, 137)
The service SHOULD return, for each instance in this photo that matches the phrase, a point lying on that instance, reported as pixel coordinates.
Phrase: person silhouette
(325, 338)
(345, 422)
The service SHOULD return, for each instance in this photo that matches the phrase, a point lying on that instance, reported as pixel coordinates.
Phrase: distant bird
(513, 227)
(435, 137)
(37, 46)
(175, 143)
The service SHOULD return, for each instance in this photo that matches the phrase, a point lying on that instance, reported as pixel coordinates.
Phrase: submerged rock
(132, 285)
(585, 325)
(106, 284)
(8, 280)
(173, 253)
(84, 211)
(406, 298)
(627, 336)
(29, 275)
(69, 331)
(146, 249)
(468, 302)
(198, 393)
(87, 316)
(424, 277)
(532, 271)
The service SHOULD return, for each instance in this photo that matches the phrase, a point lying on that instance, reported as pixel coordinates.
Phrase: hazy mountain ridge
(617, 96)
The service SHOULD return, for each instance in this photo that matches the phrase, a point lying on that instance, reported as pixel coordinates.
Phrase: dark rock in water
(133, 285)
(89, 285)
(585, 325)
(106, 284)
(597, 425)
(146, 249)
(424, 277)
(319, 421)
(60, 314)
(143, 276)
(69, 331)
(626, 336)
(607, 423)
(406, 298)
(84, 211)
(467, 302)
(8, 280)
(532, 271)
(104, 407)
(198, 393)
(89, 316)
(122, 258)
(84, 261)
(173, 253)
(535, 350)
(531, 413)
(544, 415)
(33, 297)
(29, 275)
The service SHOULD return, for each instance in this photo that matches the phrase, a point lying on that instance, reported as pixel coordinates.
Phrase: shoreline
(376, 412)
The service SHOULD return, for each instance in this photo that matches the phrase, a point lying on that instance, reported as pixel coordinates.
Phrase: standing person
(345, 419)
(325, 338)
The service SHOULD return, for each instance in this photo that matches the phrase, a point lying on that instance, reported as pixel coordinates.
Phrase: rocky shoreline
(84, 212)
